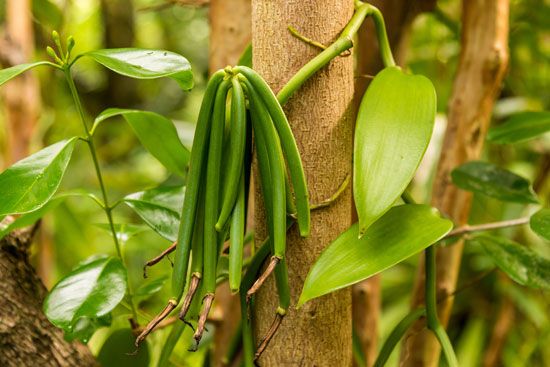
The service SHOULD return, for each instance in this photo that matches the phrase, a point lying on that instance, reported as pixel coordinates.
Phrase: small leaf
(30, 183)
(10, 73)
(119, 351)
(520, 127)
(246, 57)
(146, 64)
(157, 134)
(394, 126)
(93, 289)
(402, 232)
(85, 327)
(488, 179)
(151, 287)
(521, 263)
(540, 223)
(160, 208)
(124, 231)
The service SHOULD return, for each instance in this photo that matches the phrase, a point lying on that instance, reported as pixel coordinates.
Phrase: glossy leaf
(394, 126)
(156, 133)
(30, 183)
(85, 327)
(150, 287)
(520, 127)
(119, 351)
(520, 263)
(93, 289)
(402, 232)
(159, 208)
(540, 223)
(10, 73)
(488, 179)
(146, 64)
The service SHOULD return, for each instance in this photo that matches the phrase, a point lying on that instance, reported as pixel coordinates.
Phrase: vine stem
(90, 142)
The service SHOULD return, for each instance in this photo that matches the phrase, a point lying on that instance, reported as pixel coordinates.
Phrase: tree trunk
(21, 96)
(399, 16)
(229, 35)
(27, 338)
(481, 69)
(321, 117)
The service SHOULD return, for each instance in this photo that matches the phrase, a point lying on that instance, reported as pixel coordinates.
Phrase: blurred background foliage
(68, 234)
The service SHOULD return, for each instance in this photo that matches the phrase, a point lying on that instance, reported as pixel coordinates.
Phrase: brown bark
(399, 16)
(22, 94)
(321, 117)
(230, 33)
(27, 338)
(481, 69)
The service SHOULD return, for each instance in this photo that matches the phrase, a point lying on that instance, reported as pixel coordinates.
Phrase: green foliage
(394, 126)
(30, 183)
(402, 232)
(157, 134)
(540, 223)
(520, 127)
(10, 73)
(119, 351)
(146, 64)
(159, 208)
(488, 179)
(92, 290)
(520, 263)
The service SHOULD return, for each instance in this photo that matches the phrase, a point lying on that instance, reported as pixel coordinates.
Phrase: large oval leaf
(91, 290)
(540, 223)
(403, 231)
(31, 182)
(146, 64)
(520, 127)
(394, 126)
(10, 73)
(520, 263)
(488, 179)
(157, 134)
(159, 208)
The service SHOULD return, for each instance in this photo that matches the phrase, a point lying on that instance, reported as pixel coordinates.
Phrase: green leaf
(151, 287)
(520, 127)
(146, 64)
(31, 182)
(394, 126)
(10, 73)
(30, 218)
(520, 263)
(160, 208)
(119, 351)
(402, 232)
(85, 327)
(124, 231)
(157, 134)
(540, 223)
(93, 289)
(246, 57)
(488, 179)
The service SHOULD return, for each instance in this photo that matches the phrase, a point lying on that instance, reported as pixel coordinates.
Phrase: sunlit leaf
(160, 208)
(146, 64)
(394, 126)
(93, 289)
(520, 127)
(488, 179)
(402, 232)
(10, 73)
(520, 263)
(540, 223)
(157, 134)
(124, 231)
(30, 183)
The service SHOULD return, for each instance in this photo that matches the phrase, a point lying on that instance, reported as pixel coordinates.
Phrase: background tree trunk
(399, 16)
(229, 35)
(481, 69)
(27, 338)
(321, 116)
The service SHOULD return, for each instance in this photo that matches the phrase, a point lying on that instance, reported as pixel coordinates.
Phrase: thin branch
(158, 258)
(487, 227)
(269, 335)
(260, 281)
